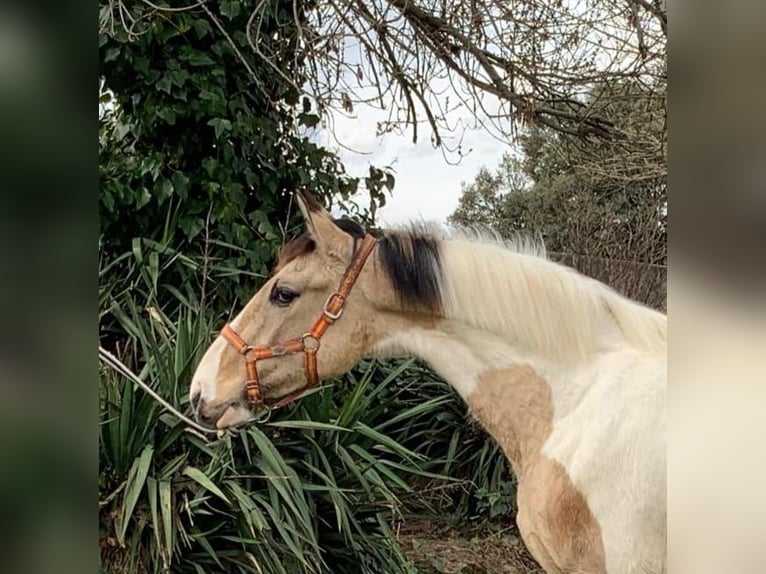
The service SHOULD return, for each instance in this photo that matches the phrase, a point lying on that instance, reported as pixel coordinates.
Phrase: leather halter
(308, 343)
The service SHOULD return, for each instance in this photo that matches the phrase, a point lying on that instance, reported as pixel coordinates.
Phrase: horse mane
(411, 259)
(510, 287)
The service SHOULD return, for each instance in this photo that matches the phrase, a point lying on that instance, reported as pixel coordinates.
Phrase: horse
(567, 375)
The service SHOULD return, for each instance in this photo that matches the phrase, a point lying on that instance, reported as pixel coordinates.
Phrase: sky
(427, 186)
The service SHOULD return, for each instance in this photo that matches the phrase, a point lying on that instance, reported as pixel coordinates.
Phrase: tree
(508, 65)
(612, 228)
(481, 201)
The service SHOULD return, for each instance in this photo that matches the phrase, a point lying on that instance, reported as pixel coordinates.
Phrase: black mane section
(412, 262)
(351, 227)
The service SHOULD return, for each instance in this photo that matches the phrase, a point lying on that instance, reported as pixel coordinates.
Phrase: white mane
(508, 286)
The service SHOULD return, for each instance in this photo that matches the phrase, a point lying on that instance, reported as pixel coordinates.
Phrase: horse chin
(233, 416)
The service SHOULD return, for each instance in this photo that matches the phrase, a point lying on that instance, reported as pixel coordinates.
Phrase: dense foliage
(315, 490)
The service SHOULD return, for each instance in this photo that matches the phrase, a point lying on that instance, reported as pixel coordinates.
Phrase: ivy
(197, 154)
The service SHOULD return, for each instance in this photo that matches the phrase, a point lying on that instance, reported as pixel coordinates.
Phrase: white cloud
(427, 185)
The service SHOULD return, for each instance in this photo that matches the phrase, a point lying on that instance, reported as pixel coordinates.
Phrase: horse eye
(282, 296)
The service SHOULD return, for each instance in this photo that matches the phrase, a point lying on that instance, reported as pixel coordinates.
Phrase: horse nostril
(203, 415)
(195, 391)
(194, 398)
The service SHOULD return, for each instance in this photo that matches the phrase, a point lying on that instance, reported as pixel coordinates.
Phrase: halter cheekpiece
(308, 343)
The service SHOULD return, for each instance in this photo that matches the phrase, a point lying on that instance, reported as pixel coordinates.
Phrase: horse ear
(328, 236)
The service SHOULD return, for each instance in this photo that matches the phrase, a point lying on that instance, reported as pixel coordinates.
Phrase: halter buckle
(336, 315)
(253, 393)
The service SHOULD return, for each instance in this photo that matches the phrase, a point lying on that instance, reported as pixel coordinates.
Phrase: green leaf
(200, 59)
(220, 125)
(151, 489)
(180, 184)
(230, 8)
(209, 165)
(121, 130)
(202, 540)
(112, 53)
(179, 77)
(390, 181)
(202, 27)
(164, 189)
(166, 508)
(107, 200)
(191, 226)
(143, 197)
(167, 114)
(386, 441)
(431, 405)
(135, 484)
(163, 84)
(203, 480)
(308, 425)
(308, 120)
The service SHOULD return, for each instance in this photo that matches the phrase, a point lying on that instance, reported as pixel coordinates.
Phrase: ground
(441, 550)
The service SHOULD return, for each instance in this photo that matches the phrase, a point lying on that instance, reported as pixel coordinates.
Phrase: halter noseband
(308, 343)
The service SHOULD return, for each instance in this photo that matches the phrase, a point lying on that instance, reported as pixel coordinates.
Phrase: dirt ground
(436, 549)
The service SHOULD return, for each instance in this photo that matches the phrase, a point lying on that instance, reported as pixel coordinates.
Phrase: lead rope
(112, 361)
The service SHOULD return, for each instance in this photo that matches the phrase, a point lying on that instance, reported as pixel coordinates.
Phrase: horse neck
(507, 388)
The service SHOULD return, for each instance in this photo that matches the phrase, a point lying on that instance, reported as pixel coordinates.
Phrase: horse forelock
(301, 245)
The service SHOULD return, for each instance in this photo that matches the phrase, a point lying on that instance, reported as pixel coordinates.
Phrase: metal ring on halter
(263, 415)
(245, 350)
(305, 338)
